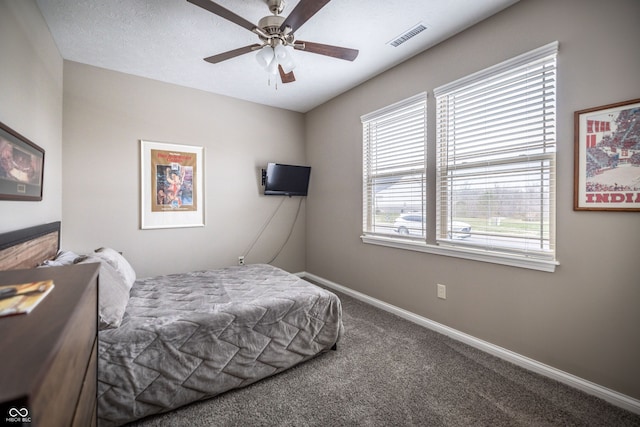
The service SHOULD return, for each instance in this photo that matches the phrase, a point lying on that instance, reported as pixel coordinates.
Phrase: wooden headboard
(29, 247)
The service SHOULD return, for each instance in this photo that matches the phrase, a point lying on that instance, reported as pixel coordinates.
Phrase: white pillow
(119, 263)
(62, 258)
(113, 294)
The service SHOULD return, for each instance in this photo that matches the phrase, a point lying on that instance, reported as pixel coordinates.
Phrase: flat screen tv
(286, 180)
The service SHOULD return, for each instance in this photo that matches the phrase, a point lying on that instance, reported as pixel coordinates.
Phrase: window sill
(548, 266)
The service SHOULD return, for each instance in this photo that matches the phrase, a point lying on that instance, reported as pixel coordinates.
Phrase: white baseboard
(611, 396)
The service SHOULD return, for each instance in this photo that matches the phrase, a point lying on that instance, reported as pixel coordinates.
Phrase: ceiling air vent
(407, 35)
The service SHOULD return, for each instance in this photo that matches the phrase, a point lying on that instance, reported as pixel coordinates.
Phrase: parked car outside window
(413, 224)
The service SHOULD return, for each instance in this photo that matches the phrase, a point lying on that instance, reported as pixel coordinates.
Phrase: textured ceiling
(167, 40)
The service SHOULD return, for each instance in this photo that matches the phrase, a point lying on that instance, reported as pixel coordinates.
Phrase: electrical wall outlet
(442, 291)
(241, 260)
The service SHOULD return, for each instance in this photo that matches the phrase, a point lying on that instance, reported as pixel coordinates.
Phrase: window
(493, 188)
(394, 181)
(496, 144)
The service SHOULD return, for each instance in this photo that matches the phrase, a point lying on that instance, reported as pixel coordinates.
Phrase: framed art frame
(607, 157)
(171, 177)
(21, 167)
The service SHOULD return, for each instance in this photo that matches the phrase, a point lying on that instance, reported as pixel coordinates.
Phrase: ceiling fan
(276, 34)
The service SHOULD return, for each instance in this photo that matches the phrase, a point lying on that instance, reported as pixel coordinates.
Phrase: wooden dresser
(48, 358)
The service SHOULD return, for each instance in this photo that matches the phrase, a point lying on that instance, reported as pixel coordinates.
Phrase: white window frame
(394, 158)
(448, 247)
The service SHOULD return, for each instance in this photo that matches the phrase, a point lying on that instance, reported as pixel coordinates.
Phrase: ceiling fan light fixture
(272, 68)
(284, 58)
(280, 51)
(265, 56)
(288, 66)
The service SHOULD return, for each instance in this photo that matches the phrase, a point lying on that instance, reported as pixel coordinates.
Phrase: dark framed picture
(607, 157)
(21, 167)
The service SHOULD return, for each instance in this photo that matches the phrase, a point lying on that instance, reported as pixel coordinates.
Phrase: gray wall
(582, 319)
(31, 104)
(106, 114)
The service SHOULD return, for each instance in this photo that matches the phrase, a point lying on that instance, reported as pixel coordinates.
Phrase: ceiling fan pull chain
(269, 82)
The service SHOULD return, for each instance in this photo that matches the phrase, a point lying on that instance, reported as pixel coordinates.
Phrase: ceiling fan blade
(328, 50)
(223, 13)
(231, 54)
(302, 12)
(286, 77)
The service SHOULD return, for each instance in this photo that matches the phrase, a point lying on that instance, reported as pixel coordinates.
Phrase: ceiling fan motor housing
(271, 25)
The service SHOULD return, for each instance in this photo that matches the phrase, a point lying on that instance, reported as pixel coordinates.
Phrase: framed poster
(607, 157)
(21, 167)
(172, 185)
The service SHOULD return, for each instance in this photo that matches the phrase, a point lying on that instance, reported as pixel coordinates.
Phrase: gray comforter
(187, 337)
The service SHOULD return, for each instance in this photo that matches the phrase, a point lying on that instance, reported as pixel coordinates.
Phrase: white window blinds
(394, 168)
(496, 143)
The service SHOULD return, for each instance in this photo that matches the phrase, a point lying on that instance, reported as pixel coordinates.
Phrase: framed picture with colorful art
(172, 185)
(21, 167)
(607, 157)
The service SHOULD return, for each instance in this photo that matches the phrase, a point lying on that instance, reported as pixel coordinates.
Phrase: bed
(171, 340)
